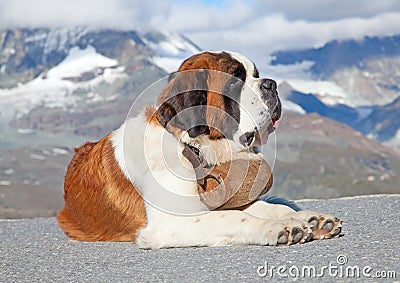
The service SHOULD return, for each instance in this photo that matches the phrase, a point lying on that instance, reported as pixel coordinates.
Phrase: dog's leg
(324, 225)
(219, 228)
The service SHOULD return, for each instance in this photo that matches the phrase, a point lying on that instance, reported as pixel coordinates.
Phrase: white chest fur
(152, 159)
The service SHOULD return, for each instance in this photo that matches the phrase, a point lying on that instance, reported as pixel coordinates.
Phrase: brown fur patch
(215, 116)
(150, 114)
(101, 204)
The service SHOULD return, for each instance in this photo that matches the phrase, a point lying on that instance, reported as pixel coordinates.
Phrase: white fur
(152, 159)
(253, 110)
(215, 228)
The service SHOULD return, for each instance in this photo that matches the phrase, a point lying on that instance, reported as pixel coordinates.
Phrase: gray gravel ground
(36, 250)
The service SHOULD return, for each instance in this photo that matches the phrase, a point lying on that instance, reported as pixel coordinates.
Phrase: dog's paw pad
(297, 235)
(314, 223)
(328, 225)
(309, 236)
(283, 237)
(294, 232)
(336, 231)
(325, 226)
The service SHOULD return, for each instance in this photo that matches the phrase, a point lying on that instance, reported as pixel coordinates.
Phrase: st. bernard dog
(135, 184)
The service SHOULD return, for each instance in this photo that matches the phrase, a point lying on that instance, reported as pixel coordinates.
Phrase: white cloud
(325, 10)
(196, 16)
(123, 14)
(170, 15)
(254, 27)
(259, 37)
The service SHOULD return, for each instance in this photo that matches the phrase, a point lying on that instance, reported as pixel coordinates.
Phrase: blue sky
(253, 27)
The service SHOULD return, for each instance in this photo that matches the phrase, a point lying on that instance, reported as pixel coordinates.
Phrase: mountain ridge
(367, 69)
(337, 54)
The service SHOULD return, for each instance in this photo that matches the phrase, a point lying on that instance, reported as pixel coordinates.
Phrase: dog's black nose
(247, 138)
(268, 84)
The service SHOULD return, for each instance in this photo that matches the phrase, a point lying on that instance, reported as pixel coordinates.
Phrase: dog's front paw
(324, 226)
(289, 232)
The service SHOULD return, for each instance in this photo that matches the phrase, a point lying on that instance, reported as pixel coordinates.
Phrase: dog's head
(219, 95)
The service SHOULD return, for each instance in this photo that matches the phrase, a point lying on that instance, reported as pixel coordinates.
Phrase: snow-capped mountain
(51, 79)
(365, 71)
(170, 49)
(350, 82)
(30, 52)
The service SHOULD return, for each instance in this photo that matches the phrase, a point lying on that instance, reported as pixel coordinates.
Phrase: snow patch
(110, 75)
(48, 92)
(284, 72)
(167, 64)
(173, 46)
(171, 51)
(292, 107)
(299, 78)
(330, 92)
(80, 61)
(54, 90)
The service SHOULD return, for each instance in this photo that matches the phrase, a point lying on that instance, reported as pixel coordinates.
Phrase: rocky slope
(379, 123)
(321, 158)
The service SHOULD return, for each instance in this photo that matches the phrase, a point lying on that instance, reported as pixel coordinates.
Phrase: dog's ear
(182, 103)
